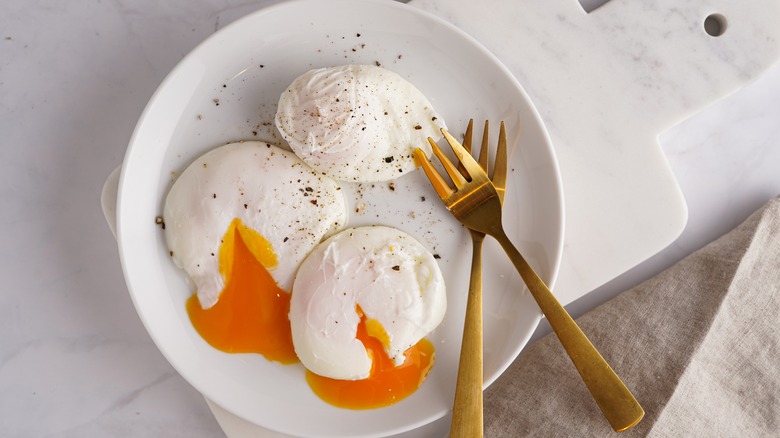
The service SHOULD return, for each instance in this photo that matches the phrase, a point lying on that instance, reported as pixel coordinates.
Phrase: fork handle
(610, 393)
(467, 408)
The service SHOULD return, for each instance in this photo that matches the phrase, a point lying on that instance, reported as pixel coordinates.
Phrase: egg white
(357, 122)
(272, 191)
(390, 275)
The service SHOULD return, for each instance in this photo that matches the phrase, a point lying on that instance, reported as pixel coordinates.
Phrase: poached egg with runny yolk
(376, 277)
(284, 209)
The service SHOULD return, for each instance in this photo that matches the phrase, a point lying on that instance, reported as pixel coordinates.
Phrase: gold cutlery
(467, 407)
(476, 203)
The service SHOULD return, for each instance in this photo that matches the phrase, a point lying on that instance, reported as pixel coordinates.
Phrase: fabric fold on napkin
(698, 345)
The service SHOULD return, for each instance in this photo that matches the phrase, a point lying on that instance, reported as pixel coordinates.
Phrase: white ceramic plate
(227, 89)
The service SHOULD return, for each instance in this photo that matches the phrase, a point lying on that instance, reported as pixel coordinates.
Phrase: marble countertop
(75, 359)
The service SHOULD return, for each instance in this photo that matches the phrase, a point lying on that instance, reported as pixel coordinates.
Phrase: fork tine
(467, 146)
(452, 171)
(485, 148)
(443, 189)
(499, 170)
(471, 165)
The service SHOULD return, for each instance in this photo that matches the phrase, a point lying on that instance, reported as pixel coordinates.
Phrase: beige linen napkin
(699, 345)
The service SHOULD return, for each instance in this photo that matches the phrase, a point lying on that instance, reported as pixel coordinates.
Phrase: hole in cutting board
(715, 25)
(591, 5)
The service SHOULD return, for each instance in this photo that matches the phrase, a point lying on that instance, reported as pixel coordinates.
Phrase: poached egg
(280, 207)
(375, 275)
(356, 122)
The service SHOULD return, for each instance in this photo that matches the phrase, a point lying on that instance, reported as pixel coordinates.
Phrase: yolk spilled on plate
(251, 314)
(386, 383)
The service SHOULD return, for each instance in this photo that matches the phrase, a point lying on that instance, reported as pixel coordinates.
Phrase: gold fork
(467, 407)
(476, 204)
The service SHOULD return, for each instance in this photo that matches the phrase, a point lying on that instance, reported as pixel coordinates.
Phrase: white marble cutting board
(607, 83)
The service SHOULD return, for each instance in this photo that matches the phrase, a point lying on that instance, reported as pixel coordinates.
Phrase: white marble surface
(607, 83)
(75, 359)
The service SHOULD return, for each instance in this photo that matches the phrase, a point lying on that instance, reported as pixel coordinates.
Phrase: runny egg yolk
(251, 314)
(386, 384)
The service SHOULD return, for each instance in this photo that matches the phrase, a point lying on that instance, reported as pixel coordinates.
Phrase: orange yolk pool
(251, 316)
(386, 383)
